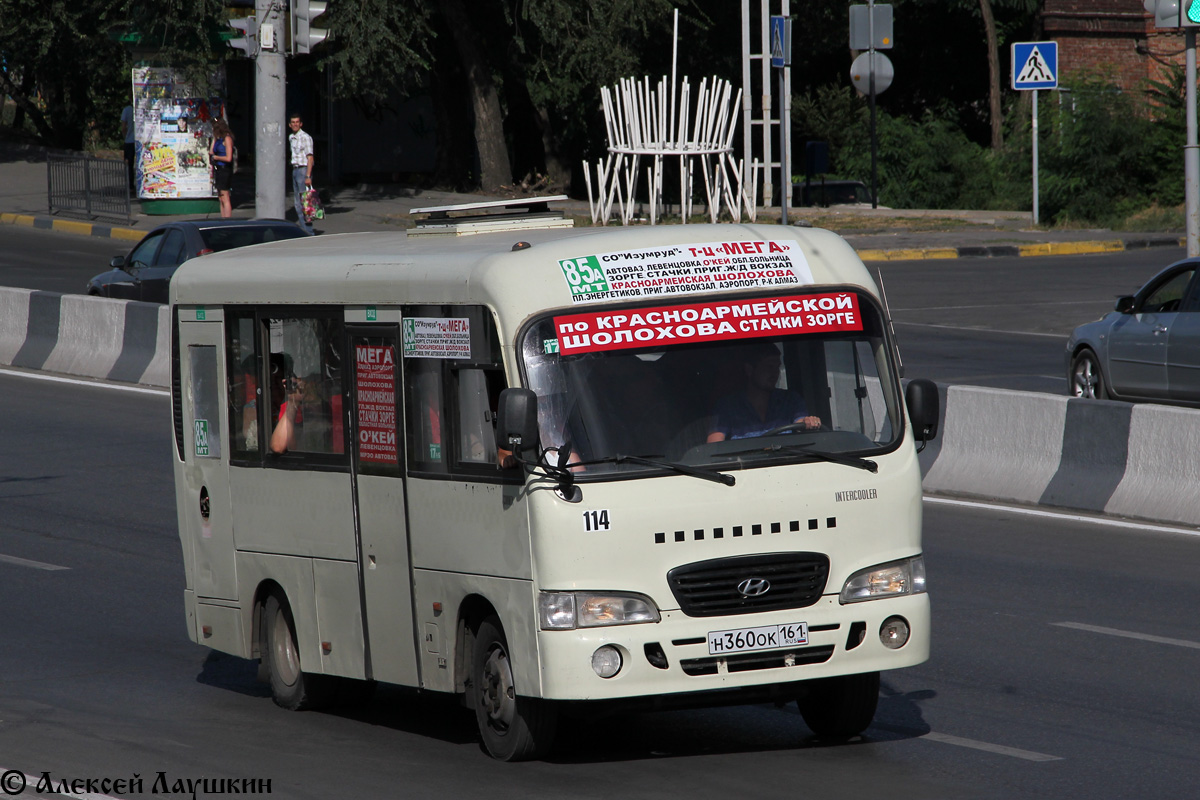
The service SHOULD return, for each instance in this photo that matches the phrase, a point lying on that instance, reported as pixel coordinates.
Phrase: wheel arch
(473, 609)
(264, 590)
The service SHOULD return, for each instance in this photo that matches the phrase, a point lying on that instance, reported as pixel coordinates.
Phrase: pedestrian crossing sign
(1035, 65)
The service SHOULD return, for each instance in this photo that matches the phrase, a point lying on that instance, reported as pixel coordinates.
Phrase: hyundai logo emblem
(754, 587)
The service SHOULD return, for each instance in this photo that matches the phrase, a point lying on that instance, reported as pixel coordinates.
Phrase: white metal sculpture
(657, 124)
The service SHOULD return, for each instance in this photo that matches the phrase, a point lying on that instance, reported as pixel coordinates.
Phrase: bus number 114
(595, 521)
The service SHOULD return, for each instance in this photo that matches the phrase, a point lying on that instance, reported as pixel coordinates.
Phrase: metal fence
(77, 183)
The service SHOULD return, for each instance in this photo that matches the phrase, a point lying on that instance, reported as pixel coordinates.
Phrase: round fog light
(894, 632)
(606, 661)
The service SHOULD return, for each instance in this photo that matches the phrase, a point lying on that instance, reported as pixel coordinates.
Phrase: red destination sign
(707, 322)
(376, 388)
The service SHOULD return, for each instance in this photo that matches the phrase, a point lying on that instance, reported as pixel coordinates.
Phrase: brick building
(1113, 36)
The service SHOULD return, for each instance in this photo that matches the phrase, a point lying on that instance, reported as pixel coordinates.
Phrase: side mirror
(117, 262)
(921, 397)
(516, 421)
(1124, 304)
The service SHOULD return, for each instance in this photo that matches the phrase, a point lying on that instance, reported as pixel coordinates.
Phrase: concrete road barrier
(1138, 461)
(117, 340)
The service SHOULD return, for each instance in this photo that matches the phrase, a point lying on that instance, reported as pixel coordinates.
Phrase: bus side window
(244, 393)
(453, 376)
(478, 397)
(425, 414)
(206, 401)
(305, 386)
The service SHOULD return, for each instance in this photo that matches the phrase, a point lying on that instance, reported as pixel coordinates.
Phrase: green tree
(61, 69)
(376, 46)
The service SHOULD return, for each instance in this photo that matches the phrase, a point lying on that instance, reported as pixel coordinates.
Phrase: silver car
(1147, 347)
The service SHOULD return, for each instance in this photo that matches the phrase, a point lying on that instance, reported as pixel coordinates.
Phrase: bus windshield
(765, 381)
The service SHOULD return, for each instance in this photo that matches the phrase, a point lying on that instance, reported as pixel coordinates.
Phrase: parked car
(832, 193)
(145, 273)
(1147, 347)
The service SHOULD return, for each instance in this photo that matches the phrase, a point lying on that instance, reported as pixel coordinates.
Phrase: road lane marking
(1062, 336)
(24, 562)
(1035, 512)
(37, 376)
(988, 747)
(14, 779)
(1145, 637)
(1006, 305)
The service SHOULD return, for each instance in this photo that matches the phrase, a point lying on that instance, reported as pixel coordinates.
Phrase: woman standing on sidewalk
(222, 160)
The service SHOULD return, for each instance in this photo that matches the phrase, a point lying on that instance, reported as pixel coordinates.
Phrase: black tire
(1086, 378)
(513, 728)
(841, 707)
(291, 687)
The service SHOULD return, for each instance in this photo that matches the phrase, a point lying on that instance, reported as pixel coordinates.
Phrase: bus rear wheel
(513, 728)
(291, 687)
(841, 707)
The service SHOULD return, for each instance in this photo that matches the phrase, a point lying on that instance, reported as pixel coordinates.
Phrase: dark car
(145, 273)
(832, 193)
(1147, 347)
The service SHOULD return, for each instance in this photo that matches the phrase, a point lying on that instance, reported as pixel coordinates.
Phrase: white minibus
(542, 467)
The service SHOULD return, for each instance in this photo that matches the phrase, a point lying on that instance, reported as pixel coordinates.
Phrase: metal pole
(1191, 156)
(784, 177)
(270, 89)
(1035, 158)
(871, 99)
(768, 122)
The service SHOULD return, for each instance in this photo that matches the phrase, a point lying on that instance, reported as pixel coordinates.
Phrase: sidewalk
(877, 234)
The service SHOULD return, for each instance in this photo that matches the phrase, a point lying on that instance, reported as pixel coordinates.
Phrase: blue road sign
(781, 42)
(1035, 65)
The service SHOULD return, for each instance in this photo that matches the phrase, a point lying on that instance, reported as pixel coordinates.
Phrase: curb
(72, 226)
(1024, 250)
(900, 254)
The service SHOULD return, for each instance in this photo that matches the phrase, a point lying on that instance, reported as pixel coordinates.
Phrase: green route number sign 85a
(584, 275)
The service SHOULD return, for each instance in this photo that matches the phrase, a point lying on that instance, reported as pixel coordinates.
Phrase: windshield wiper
(806, 448)
(682, 469)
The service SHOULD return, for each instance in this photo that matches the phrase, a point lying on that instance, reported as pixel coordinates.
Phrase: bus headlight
(561, 611)
(886, 580)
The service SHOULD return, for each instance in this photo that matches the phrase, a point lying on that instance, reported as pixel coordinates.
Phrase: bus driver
(761, 407)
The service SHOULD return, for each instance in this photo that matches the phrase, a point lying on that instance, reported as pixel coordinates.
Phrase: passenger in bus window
(286, 393)
(244, 403)
(761, 406)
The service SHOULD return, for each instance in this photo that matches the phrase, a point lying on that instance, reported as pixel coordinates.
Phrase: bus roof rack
(521, 213)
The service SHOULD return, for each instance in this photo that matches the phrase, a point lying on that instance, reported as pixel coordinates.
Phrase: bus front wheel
(840, 707)
(291, 688)
(513, 728)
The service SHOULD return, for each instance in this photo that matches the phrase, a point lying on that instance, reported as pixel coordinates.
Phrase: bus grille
(753, 661)
(710, 588)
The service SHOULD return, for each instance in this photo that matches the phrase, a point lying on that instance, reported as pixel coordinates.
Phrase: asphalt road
(1064, 660)
(1004, 322)
(53, 261)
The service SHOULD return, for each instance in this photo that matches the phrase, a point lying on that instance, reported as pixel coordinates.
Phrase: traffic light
(1166, 12)
(1174, 13)
(248, 41)
(304, 36)
(1191, 14)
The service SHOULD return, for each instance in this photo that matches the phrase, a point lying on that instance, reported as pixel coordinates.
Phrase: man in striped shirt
(302, 167)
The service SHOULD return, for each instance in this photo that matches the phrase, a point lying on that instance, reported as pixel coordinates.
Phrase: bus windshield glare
(761, 382)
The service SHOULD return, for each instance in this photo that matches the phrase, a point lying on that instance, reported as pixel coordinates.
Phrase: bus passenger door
(206, 502)
(380, 505)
